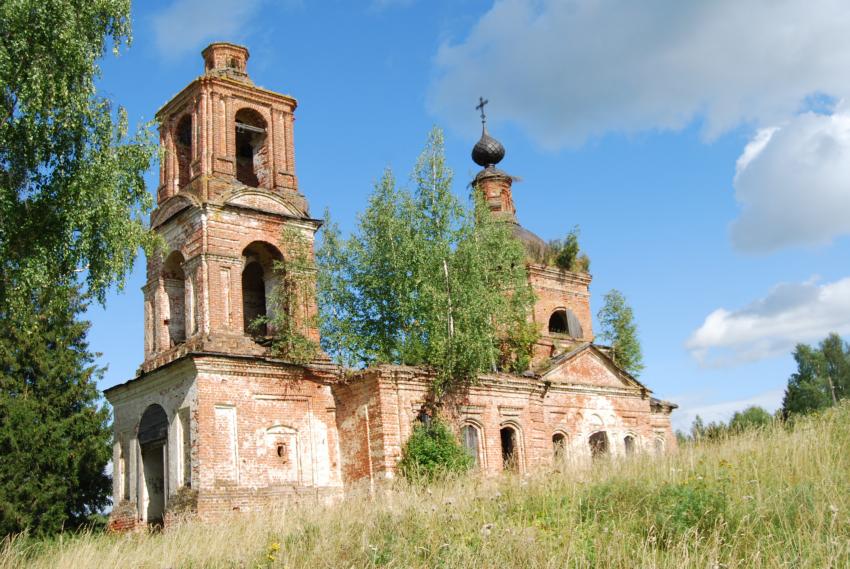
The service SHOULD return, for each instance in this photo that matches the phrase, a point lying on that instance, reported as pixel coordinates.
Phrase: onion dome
(487, 151)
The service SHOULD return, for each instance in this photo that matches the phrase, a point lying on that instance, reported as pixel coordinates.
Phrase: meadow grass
(778, 497)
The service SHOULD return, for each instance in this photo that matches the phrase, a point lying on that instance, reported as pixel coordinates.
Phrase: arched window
(629, 444)
(564, 321)
(559, 446)
(251, 149)
(469, 436)
(183, 147)
(258, 281)
(510, 448)
(174, 282)
(659, 445)
(598, 444)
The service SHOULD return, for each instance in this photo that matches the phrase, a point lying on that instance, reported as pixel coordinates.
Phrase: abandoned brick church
(210, 410)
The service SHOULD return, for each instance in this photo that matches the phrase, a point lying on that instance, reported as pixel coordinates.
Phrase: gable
(172, 207)
(591, 368)
(263, 201)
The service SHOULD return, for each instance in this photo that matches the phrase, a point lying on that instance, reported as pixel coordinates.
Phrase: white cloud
(789, 314)
(186, 25)
(684, 416)
(566, 70)
(793, 184)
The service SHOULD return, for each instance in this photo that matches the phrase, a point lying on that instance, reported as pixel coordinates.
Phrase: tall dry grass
(773, 498)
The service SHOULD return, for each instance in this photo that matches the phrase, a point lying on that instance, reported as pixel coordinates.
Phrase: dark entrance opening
(599, 444)
(153, 434)
(629, 444)
(559, 446)
(558, 322)
(510, 456)
(183, 144)
(251, 151)
(253, 298)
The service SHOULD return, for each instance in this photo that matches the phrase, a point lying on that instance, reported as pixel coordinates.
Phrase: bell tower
(562, 307)
(227, 196)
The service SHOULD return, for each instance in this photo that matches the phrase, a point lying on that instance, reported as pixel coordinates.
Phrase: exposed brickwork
(581, 396)
(238, 430)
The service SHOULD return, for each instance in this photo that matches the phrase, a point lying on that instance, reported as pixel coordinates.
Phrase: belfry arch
(174, 283)
(183, 150)
(259, 278)
(252, 154)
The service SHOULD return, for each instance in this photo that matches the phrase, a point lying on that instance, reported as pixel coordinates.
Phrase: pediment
(261, 200)
(171, 207)
(588, 366)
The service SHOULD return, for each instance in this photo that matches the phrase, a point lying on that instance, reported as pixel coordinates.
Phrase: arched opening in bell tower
(564, 321)
(259, 277)
(251, 148)
(174, 282)
(183, 147)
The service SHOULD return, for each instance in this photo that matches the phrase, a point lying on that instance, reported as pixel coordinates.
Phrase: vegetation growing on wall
(564, 253)
(291, 312)
(425, 281)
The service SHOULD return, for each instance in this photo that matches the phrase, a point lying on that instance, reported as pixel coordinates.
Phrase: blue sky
(702, 148)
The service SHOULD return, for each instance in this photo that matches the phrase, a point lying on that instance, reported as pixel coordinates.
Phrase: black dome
(487, 151)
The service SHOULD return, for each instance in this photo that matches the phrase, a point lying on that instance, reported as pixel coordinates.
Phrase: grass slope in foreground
(773, 498)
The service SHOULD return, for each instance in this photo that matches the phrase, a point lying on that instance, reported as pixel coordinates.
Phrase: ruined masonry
(212, 424)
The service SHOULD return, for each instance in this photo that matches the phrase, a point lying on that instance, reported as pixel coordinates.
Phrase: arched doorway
(559, 446)
(153, 436)
(510, 448)
(629, 444)
(599, 444)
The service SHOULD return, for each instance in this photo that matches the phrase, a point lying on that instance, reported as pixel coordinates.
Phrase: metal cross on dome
(480, 107)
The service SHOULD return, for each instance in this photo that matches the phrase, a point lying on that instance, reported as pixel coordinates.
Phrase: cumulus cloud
(773, 325)
(793, 184)
(566, 70)
(186, 25)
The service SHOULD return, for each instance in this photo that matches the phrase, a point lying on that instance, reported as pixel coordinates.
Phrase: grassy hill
(773, 498)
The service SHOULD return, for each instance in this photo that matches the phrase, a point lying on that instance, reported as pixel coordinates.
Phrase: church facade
(212, 423)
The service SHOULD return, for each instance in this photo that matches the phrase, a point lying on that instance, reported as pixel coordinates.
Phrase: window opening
(469, 438)
(251, 149)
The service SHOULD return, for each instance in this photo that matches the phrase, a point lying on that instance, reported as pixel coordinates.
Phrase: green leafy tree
(72, 192)
(752, 417)
(822, 377)
(618, 329)
(425, 281)
(432, 452)
(54, 431)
